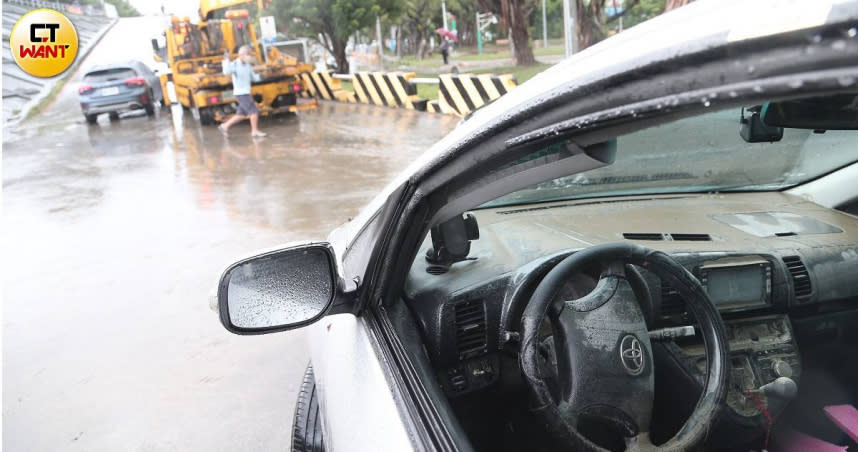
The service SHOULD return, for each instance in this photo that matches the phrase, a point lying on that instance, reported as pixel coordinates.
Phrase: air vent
(691, 237)
(470, 328)
(679, 237)
(672, 303)
(642, 236)
(437, 269)
(800, 278)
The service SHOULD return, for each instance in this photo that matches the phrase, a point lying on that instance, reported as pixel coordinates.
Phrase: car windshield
(701, 154)
(106, 75)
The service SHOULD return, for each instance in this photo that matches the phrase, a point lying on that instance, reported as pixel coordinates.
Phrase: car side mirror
(278, 291)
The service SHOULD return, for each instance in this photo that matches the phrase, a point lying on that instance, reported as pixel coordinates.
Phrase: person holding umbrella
(446, 37)
(445, 50)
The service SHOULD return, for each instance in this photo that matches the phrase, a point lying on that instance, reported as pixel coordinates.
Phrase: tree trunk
(466, 35)
(588, 26)
(673, 4)
(399, 41)
(339, 47)
(520, 35)
(421, 45)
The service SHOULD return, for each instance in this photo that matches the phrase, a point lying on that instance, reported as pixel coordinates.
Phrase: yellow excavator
(194, 53)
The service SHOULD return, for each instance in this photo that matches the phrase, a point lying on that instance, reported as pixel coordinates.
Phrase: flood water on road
(114, 236)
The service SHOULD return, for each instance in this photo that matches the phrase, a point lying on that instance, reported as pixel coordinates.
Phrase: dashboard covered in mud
(761, 257)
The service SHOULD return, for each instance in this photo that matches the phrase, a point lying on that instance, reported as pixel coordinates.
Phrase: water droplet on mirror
(846, 80)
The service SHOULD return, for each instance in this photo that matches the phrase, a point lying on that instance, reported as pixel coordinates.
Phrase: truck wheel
(207, 116)
(307, 426)
(91, 119)
(114, 116)
(150, 108)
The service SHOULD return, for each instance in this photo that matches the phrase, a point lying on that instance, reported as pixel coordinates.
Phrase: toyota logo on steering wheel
(632, 355)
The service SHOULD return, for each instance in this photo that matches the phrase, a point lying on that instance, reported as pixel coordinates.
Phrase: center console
(761, 350)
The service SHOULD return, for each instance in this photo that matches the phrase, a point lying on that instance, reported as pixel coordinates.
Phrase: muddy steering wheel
(604, 355)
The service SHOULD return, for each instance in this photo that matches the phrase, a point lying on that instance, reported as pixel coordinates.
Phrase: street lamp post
(479, 36)
(444, 13)
(544, 26)
(380, 43)
(569, 34)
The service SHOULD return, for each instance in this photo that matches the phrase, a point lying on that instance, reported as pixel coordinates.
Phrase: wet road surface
(114, 236)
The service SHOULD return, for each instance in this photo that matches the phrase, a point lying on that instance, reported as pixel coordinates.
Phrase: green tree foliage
(515, 16)
(333, 21)
(419, 20)
(554, 19)
(465, 11)
(124, 8)
(644, 11)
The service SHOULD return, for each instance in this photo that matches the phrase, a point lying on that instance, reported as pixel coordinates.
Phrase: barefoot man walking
(242, 74)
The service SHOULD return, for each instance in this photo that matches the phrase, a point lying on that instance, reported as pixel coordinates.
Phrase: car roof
(131, 64)
(695, 28)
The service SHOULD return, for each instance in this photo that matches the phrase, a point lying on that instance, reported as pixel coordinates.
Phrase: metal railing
(419, 80)
(37, 4)
(99, 10)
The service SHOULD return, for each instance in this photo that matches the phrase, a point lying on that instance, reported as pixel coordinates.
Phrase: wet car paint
(113, 237)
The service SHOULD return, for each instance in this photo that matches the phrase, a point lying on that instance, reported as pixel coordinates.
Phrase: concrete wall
(21, 91)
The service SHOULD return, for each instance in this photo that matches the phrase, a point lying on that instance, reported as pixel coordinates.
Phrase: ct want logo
(632, 355)
(43, 42)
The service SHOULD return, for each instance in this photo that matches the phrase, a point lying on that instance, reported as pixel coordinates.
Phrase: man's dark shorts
(246, 105)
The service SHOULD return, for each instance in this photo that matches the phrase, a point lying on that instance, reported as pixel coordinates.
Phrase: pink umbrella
(447, 34)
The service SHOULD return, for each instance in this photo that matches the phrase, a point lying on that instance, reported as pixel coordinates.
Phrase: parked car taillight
(135, 81)
(84, 89)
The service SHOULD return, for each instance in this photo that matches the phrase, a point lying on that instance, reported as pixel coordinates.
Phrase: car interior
(574, 305)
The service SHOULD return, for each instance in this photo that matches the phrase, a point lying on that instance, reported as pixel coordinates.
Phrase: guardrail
(416, 80)
(37, 4)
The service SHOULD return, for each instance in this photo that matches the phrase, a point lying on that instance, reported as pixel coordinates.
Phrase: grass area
(490, 52)
(427, 91)
(58, 86)
(521, 73)
(546, 51)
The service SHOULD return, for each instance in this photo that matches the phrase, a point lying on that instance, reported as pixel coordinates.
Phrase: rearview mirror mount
(279, 290)
(752, 129)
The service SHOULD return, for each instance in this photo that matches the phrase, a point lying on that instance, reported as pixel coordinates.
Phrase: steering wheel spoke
(640, 443)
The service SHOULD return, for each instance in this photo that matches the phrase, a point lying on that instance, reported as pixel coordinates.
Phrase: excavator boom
(207, 7)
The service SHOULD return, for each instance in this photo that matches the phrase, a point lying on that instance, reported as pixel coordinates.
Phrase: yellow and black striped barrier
(391, 89)
(463, 93)
(323, 86)
(458, 94)
(434, 106)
